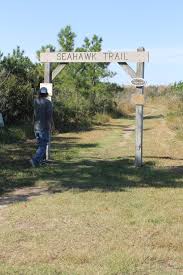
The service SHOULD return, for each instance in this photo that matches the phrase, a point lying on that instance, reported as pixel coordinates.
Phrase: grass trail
(91, 211)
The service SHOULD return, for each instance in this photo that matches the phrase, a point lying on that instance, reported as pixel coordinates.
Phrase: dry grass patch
(90, 232)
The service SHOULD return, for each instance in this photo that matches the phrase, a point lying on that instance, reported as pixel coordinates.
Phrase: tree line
(81, 90)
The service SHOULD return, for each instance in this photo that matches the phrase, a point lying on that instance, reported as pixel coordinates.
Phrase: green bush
(18, 75)
(70, 115)
(15, 134)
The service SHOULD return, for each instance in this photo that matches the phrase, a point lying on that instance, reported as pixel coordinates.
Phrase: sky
(123, 25)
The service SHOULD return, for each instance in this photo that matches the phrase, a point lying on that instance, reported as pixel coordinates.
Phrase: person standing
(43, 121)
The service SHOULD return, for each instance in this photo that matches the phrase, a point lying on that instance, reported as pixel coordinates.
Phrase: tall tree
(66, 39)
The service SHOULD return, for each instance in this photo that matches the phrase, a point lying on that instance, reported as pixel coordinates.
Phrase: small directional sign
(138, 82)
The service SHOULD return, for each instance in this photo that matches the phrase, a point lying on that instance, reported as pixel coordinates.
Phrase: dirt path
(23, 194)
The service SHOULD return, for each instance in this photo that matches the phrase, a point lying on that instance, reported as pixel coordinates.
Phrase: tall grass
(171, 97)
(175, 114)
(126, 108)
(100, 119)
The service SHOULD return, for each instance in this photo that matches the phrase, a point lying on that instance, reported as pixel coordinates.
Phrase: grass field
(90, 211)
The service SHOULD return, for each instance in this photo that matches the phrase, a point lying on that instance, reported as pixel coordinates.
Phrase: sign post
(47, 79)
(1, 121)
(139, 115)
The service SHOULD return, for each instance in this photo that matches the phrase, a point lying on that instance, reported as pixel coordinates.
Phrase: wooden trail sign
(71, 57)
(140, 57)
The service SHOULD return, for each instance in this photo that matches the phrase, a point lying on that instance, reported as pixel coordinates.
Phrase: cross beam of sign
(72, 57)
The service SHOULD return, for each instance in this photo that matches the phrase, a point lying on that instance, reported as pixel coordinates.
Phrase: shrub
(18, 75)
(125, 107)
(15, 134)
(100, 119)
(70, 114)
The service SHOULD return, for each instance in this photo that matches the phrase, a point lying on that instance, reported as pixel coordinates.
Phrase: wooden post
(139, 117)
(47, 79)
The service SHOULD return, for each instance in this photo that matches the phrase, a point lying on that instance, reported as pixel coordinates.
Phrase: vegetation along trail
(91, 211)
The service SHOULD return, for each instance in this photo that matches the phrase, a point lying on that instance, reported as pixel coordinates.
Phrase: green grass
(101, 215)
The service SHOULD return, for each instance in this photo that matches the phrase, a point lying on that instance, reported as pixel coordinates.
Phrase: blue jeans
(43, 138)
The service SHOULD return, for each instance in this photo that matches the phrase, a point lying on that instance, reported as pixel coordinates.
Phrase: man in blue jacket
(43, 115)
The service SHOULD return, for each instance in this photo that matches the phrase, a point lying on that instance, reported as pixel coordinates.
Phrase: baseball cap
(43, 90)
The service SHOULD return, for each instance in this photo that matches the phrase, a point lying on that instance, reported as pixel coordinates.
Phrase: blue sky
(123, 25)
